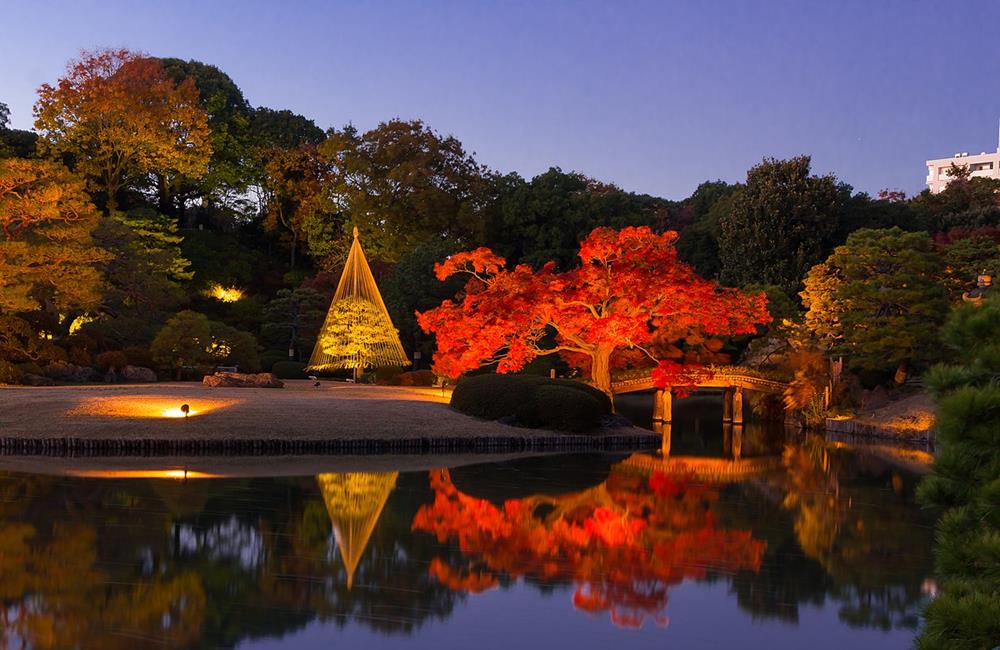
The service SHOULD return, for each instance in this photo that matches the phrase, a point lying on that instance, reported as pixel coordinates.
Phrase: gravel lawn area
(300, 418)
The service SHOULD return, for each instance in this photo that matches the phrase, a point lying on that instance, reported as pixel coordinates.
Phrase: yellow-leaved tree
(358, 335)
(47, 255)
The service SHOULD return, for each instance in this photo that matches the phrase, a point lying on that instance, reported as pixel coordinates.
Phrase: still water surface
(792, 545)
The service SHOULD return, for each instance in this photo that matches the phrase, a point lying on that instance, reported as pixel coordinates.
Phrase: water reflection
(120, 563)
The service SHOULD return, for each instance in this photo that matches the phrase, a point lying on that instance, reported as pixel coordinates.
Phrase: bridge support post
(664, 428)
(663, 405)
(727, 405)
(738, 406)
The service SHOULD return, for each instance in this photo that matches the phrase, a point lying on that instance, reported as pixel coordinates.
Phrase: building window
(978, 167)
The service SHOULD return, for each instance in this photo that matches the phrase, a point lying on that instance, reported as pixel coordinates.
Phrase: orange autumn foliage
(120, 117)
(630, 292)
(621, 543)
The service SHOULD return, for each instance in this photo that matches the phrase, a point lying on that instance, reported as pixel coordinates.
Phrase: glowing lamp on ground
(182, 412)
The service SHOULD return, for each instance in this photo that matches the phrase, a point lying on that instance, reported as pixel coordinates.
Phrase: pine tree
(965, 484)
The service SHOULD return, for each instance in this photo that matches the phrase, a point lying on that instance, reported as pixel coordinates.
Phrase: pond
(795, 544)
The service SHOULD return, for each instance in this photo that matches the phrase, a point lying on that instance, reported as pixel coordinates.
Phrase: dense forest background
(156, 218)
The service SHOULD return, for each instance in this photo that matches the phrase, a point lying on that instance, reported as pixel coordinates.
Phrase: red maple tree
(629, 293)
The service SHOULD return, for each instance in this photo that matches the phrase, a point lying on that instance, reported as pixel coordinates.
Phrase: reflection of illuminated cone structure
(358, 331)
(354, 501)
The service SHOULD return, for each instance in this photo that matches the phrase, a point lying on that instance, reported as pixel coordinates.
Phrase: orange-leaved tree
(630, 292)
(48, 257)
(118, 117)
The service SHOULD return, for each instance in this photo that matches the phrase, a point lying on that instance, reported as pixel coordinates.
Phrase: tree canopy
(116, 117)
(878, 299)
(780, 225)
(630, 292)
(48, 257)
(402, 183)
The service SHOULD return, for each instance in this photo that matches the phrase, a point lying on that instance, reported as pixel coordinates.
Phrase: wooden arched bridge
(732, 380)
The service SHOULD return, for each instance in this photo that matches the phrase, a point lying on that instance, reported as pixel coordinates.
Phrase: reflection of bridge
(733, 381)
(708, 470)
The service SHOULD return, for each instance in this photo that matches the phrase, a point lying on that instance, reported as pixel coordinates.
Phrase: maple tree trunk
(600, 368)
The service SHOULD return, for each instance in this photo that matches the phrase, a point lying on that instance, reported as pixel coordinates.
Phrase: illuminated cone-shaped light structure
(354, 501)
(358, 331)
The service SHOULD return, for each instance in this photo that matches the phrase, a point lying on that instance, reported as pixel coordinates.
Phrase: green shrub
(9, 373)
(270, 357)
(138, 356)
(30, 368)
(416, 378)
(497, 396)
(289, 370)
(387, 376)
(52, 353)
(80, 356)
(560, 407)
(113, 360)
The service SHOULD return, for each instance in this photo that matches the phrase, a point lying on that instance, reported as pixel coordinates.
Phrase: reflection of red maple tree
(622, 543)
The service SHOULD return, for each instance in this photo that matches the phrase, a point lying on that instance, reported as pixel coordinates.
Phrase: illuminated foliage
(357, 332)
(120, 117)
(355, 335)
(191, 339)
(404, 184)
(225, 294)
(630, 293)
(622, 543)
(47, 254)
(877, 299)
(298, 203)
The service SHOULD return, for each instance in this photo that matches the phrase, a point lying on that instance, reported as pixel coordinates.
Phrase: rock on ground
(241, 380)
(138, 374)
(36, 380)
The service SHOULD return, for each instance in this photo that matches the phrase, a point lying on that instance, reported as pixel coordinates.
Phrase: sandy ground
(910, 414)
(297, 412)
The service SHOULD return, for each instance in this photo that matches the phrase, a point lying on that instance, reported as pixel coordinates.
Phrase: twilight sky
(653, 96)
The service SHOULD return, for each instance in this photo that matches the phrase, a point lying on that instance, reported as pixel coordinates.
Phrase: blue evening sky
(653, 96)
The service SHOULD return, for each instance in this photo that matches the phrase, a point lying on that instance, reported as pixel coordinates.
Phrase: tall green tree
(878, 300)
(229, 170)
(546, 218)
(147, 269)
(300, 208)
(698, 244)
(964, 485)
(293, 318)
(780, 225)
(412, 287)
(966, 202)
(14, 143)
(401, 184)
(184, 340)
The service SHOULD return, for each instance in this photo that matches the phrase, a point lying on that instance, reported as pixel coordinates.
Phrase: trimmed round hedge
(535, 401)
(289, 370)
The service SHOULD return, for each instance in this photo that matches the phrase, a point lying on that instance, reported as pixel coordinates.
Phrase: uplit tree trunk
(600, 368)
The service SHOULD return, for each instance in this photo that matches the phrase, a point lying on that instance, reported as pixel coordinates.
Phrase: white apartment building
(986, 165)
